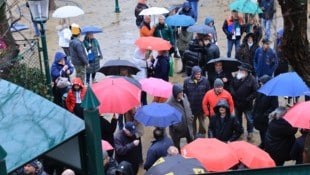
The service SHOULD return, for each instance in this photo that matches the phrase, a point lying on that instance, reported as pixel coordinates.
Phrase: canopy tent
(31, 125)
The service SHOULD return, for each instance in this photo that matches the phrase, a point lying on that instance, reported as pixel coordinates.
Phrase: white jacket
(64, 35)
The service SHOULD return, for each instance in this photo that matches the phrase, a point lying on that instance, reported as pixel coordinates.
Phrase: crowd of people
(217, 93)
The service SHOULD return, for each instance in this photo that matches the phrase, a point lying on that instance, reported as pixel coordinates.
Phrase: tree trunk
(11, 50)
(295, 44)
(52, 5)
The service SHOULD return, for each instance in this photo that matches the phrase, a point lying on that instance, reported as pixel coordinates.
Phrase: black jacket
(228, 129)
(108, 129)
(138, 9)
(212, 75)
(262, 107)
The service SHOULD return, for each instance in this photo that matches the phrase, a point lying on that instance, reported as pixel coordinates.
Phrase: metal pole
(117, 10)
(45, 58)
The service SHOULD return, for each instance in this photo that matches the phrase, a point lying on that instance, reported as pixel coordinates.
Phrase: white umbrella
(154, 11)
(67, 12)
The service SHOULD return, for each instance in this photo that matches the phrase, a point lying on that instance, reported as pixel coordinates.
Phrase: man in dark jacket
(223, 126)
(243, 90)
(139, 7)
(297, 150)
(78, 53)
(126, 146)
(185, 127)
(158, 147)
(263, 106)
(221, 73)
(195, 88)
(162, 66)
(269, 10)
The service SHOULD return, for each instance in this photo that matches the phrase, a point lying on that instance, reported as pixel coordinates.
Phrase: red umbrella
(251, 155)
(153, 43)
(156, 87)
(298, 116)
(215, 155)
(116, 95)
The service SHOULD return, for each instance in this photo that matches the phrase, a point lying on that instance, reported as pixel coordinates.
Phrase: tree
(295, 44)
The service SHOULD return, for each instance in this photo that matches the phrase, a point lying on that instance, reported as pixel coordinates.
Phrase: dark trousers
(201, 127)
(177, 138)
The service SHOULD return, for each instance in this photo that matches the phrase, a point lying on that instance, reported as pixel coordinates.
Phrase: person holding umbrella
(145, 27)
(184, 37)
(185, 127)
(219, 72)
(94, 55)
(165, 32)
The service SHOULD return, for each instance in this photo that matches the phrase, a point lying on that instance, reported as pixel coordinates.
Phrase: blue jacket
(188, 12)
(195, 91)
(157, 149)
(265, 62)
(56, 69)
(268, 9)
(162, 68)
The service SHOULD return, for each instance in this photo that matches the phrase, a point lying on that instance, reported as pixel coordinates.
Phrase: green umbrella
(245, 6)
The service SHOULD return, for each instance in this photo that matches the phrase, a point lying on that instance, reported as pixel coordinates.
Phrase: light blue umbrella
(90, 29)
(200, 28)
(158, 114)
(245, 6)
(180, 20)
(286, 84)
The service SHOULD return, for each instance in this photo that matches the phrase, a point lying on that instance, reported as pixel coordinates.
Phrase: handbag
(62, 82)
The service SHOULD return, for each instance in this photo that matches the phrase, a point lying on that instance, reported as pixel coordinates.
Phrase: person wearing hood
(185, 128)
(61, 67)
(75, 97)
(78, 52)
(246, 51)
(223, 125)
(209, 21)
(212, 97)
(139, 7)
(187, 10)
(195, 87)
(194, 6)
(263, 106)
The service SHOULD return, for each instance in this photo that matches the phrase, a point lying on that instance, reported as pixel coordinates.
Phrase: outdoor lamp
(39, 10)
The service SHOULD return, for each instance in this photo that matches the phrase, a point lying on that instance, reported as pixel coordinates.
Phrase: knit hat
(176, 89)
(218, 83)
(75, 29)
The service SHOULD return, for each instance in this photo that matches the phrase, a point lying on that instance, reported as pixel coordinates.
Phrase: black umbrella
(176, 164)
(113, 67)
(229, 64)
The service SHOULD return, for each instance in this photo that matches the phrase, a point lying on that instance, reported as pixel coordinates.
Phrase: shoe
(250, 136)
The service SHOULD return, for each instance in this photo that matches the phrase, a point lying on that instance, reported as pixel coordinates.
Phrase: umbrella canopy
(298, 116)
(251, 155)
(154, 11)
(153, 115)
(200, 28)
(113, 67)
(156, 87)
(176, 165)
(153, 43)
(215, 155)
(286, 84)
(116, 95)
(106, 145)
(67, 12)
(229, 64)
(90, 29)
(180, 20)
(245, 6)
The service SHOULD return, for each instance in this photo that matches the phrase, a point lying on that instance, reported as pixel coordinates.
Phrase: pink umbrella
(106, 145)
(156, 87)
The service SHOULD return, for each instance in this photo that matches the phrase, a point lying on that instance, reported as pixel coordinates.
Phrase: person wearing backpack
(94, 55)
(139, 7)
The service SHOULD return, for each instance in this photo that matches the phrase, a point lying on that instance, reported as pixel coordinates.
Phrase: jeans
(230, 44)
(248, 116)
(267, 27)
(93, 75)
(194, 6)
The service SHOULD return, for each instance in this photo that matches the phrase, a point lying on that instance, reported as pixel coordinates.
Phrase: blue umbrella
(180, 20)
(200, 28)
(286, 84)
(158, 114)
(90, 29)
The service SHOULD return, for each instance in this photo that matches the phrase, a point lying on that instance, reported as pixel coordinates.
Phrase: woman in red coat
(75, 97)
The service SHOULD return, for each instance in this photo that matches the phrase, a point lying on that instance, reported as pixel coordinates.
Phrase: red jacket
(210, 100)
(71, 99)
